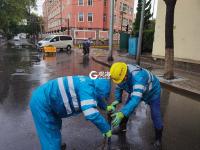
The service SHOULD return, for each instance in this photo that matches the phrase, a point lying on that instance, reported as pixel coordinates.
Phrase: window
(55, 39)
(124, 7)
(90, 17)
(80, 2)
(121, 6)
(69, 38)
(105, 2)
(80, 17)
(90, 2)
(65, 38)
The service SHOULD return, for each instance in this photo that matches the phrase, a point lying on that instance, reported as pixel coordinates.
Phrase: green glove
(108, 134)
(111, 108)
(117, 118)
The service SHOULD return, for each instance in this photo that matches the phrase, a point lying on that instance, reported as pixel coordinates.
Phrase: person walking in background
(86, 46)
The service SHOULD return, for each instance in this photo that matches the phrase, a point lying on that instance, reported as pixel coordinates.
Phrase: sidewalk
(186, 82)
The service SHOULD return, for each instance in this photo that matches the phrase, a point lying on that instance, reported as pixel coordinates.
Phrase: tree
(147, 16)
(169, 39)
(148, 29)
(12, 12)
(34, 24)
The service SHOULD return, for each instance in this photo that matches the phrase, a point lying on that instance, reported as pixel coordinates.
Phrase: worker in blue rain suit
(64, 97)
(141, 85)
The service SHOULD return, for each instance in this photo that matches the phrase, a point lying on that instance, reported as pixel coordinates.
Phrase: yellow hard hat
(118, 72)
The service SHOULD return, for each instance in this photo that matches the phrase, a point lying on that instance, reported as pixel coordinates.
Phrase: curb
(101, 62)
(175, 88)
(183, 91)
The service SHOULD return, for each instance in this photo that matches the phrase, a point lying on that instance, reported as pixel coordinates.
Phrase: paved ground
(23, 69)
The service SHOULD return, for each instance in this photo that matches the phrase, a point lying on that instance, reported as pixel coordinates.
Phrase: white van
(59, 41)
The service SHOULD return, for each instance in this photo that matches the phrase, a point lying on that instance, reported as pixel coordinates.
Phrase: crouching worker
(141, 85)
(65, 97)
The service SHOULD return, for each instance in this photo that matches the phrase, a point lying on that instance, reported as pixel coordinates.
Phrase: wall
(186, 31)
(71, 8)
(96, 9)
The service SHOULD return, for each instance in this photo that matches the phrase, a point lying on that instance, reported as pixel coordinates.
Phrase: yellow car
(49, 49)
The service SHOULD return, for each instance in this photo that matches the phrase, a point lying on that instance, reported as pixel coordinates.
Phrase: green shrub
(147, 41)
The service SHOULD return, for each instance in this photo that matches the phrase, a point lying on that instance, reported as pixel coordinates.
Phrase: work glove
(117, 118)
(108, 134)
(111, 108)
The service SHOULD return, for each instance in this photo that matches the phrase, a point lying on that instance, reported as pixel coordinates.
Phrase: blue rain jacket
(65, 97)
(141, 85)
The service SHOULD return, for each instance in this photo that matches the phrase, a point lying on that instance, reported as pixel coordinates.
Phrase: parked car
(16, 38)
(59, 41)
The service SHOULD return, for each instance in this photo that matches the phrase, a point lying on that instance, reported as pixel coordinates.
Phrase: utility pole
(110, 57)
(139, 47)
(68, 26)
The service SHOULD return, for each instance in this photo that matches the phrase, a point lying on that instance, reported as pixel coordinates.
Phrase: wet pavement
(23, 69)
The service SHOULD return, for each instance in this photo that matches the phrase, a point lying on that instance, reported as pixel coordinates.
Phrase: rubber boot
(122, 127)
(63, 146)
(158, 139)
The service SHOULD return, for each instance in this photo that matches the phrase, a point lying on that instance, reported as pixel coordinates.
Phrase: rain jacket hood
(102, 88)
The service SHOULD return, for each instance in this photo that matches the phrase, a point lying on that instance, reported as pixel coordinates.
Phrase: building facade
(86, 18)
(186, 31)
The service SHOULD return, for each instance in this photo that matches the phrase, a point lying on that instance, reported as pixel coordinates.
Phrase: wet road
(23, 69)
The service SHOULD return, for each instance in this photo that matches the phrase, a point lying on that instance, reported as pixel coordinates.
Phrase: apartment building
(86, 18)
